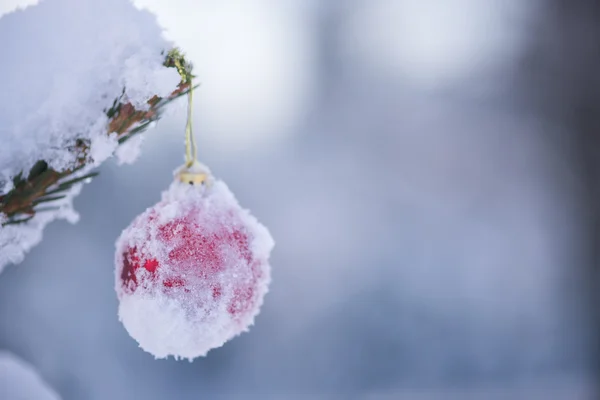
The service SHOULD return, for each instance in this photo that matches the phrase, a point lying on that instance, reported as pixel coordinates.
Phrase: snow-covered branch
(82, 78)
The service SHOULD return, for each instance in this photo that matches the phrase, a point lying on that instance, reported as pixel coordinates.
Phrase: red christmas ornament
(191, 271)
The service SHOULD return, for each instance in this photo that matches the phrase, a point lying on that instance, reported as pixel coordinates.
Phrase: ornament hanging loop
(191, 149)
(192, 171)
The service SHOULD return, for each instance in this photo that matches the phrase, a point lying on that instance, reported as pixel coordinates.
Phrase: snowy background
(422, 168)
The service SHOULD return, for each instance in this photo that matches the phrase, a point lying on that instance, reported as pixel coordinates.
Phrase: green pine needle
(47, 199)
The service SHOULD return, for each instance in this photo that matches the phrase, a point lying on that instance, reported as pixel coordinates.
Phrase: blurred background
(429, 171)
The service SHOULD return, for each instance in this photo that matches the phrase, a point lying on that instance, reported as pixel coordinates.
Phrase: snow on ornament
(191, 271)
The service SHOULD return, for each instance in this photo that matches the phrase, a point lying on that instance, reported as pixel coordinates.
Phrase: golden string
(187, 174)
(190, 145)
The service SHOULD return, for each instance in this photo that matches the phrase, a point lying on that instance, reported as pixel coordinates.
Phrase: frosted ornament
(191, 271)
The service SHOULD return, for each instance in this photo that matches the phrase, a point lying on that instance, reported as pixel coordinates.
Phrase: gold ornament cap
(195, 174)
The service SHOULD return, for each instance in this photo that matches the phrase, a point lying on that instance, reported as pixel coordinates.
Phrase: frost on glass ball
(191, 271)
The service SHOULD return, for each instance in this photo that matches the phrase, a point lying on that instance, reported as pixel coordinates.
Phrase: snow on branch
(79, 79)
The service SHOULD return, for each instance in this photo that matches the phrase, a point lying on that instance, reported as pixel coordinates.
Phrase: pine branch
(44, 185)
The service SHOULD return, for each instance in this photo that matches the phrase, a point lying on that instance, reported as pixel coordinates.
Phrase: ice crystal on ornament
(191, 271)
